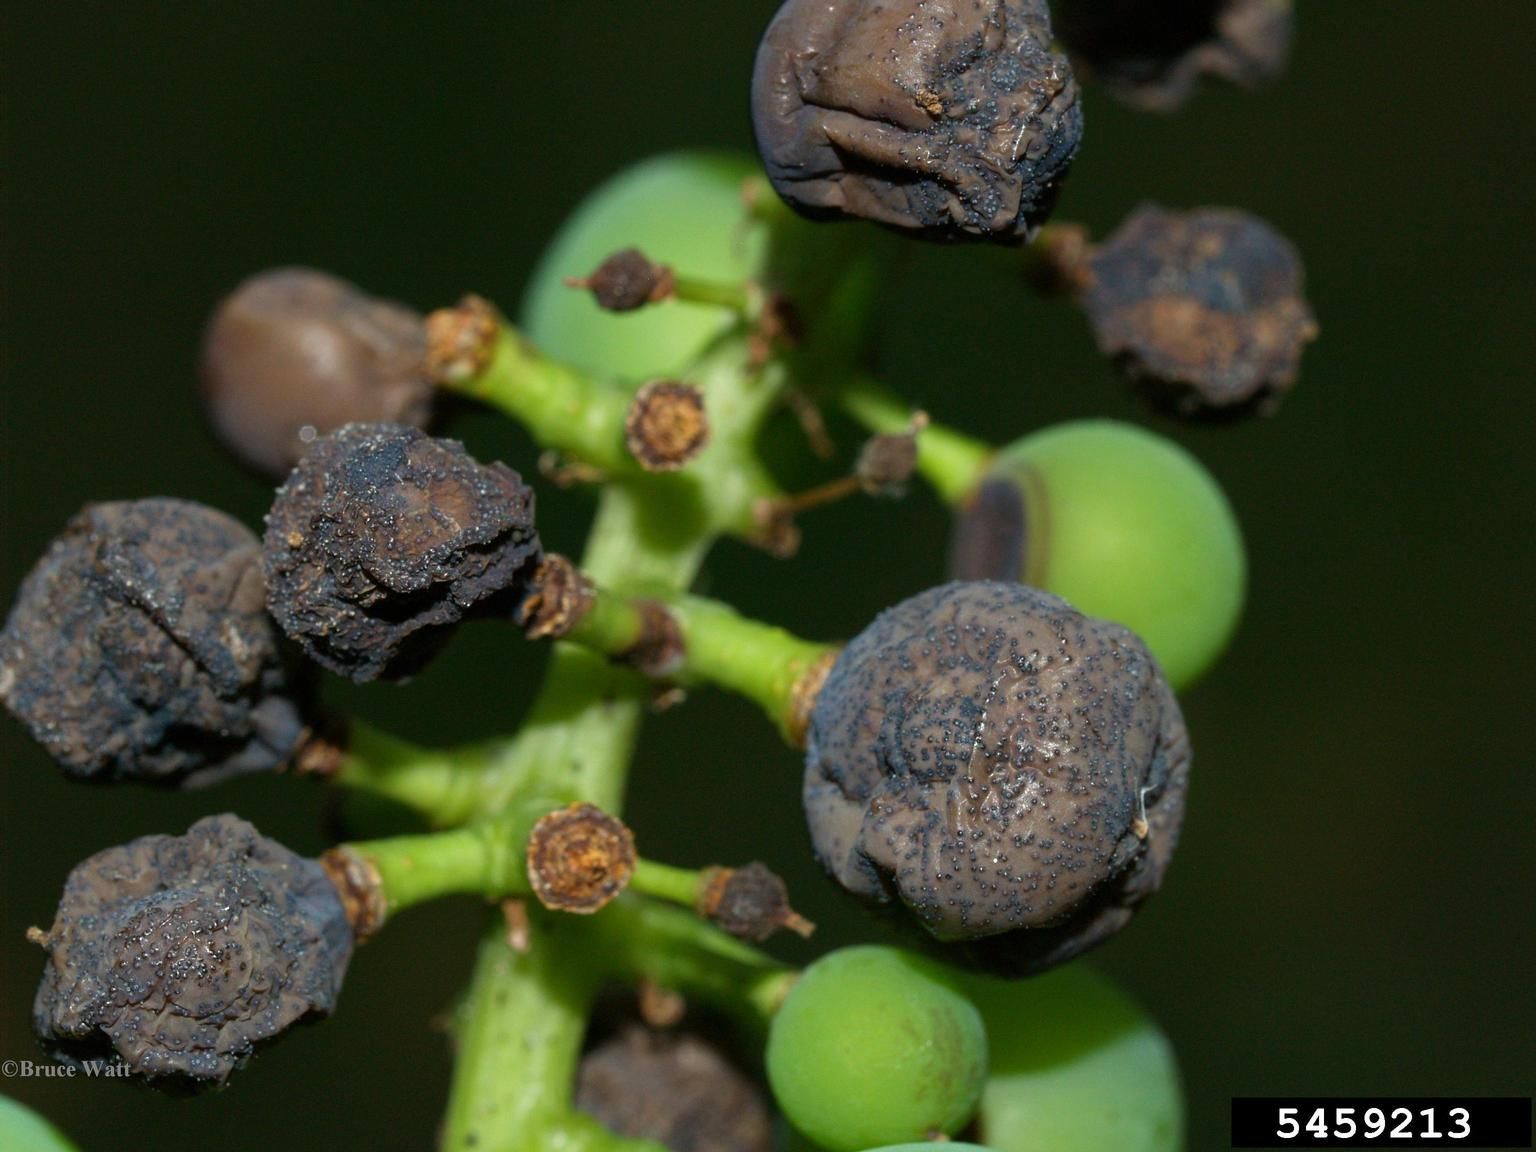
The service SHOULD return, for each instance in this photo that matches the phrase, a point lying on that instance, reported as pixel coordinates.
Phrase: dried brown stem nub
(579, 859)
(751, 903)
(802, 697)
(660, 649)
(461, 340)
(361, 888)
(666, 426)
(559, 595)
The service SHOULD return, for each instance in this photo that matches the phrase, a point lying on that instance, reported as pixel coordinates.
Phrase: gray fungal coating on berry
(1203, 310)
(140, 648)
(178, 955)
(951, 119)
(673, 1088)
(384, 539)
(1009, 769)
(1151, 53)
(294, 353)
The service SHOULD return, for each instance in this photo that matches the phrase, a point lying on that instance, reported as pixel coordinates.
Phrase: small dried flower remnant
(294, 353)
(179, 955)
(750, 903)
(384, 539)
(140, 648)
(676, 1089)
(627, 280)
(1152, 53)
(1203, 310)
(1011, 770)
(951, 119)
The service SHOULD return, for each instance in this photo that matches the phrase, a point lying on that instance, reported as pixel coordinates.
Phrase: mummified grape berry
(1152, 53)
(1076, 1066)
(178, 955)
(384, 538)
(952, 119)
(294, 353)
(673, 1088)
(1009, 769)
(1122, 523)
(1203, 310)
(873, 1045)
(139, 647)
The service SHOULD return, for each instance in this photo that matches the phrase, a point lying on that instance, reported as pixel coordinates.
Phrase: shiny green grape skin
(875, 1046)
(1122, 523)
(1076, 1066)
(23, 1130)
(685, 209)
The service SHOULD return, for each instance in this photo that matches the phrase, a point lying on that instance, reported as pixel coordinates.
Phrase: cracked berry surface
(1010, 770)
(951, 119)
(178, 955)
(384, 539)
(139, 647)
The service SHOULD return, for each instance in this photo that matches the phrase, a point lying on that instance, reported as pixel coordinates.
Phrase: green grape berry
(684, 209)
(1122, 523)
(23, 1130)
(1076, 1066)
(874, 1045)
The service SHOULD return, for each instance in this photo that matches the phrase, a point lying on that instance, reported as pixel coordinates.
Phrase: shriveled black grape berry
(384, 538)
(294, 353)
(1009, 769)
(673, 1088)
(1203, 310)
(139, 647)
(1152, 53)
(179, 955)
(952, 119)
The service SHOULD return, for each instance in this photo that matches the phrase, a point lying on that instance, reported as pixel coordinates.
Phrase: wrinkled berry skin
(178, 955)
(673, 1088)
(951, 119)
(1151, 54)
(1203, 310)
(139, 648)
(985, 754)
(294, 353)
(384, 538)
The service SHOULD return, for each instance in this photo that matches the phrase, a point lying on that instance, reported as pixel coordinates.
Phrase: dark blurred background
(1351, 908)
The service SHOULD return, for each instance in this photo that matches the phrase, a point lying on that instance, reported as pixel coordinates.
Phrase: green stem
(519, 1033)
(488, 858)
(952, 462)
(736, 297)
(665, 882)
(439, 783)
(641, 939)
(760, 661)
(563, 408)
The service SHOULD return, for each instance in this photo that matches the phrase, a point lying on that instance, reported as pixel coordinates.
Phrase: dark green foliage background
(1351, 909)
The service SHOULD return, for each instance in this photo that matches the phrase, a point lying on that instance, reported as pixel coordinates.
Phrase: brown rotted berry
(1203, 310)
(140, 648)
(294, 353)
(178, 955)
(1009, 769)
(675, 1089)
(384, 538)
(750, 903)
(1152, 53)
(952, 119)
